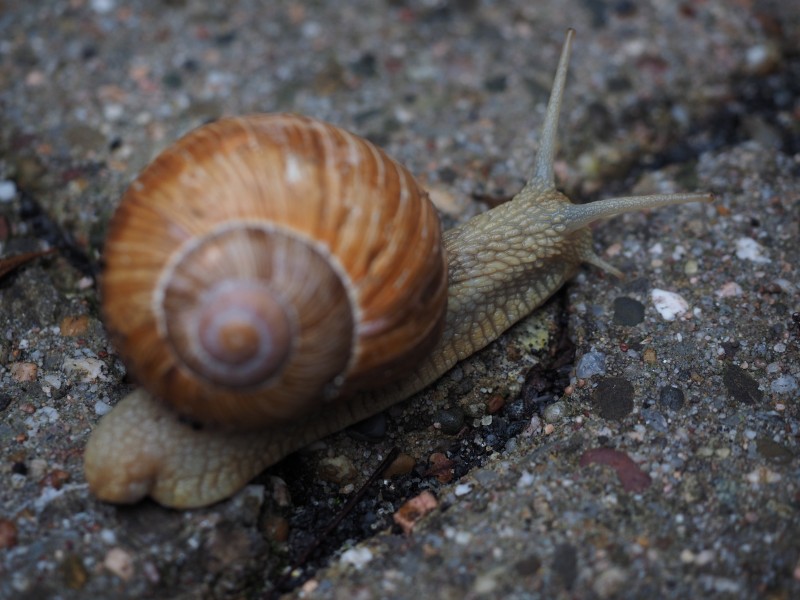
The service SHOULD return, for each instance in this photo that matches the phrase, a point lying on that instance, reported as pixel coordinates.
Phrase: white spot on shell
(668, 304)
(293, 173)
(749, 249)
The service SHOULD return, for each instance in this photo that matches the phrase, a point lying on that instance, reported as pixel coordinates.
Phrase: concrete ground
(599, 448)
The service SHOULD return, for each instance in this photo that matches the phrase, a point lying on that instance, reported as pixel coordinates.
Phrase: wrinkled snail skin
(501, 265)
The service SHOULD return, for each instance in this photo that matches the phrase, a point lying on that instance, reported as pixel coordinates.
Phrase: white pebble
(729, 289)
(784, 385)
(525, 479)
(358, 557)
(668, 304)
(102, 6)
(108, 536)
(8, 190)
(749, 249)
(462, 489)
(120, 563)
(86, 368)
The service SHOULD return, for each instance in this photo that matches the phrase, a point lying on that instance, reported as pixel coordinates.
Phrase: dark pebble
(515, 410)
(528, 565)
(774, 452)
(565, 564)
(741, 386)
(671, 398)
(498, 83)
(451, 420)
(613, 398)
(628, 311)
(371, 429)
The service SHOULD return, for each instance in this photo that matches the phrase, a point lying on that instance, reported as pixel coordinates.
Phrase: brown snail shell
(248, 274)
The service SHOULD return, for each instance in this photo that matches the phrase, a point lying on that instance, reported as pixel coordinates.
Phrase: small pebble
(554, 412)
(671, 398)
(591, 363)
(74, 326)
(450, 420)
(55, 479)
(102, 6)
(631, 476)
(410, 513)
(613, 398)
(371, 429)
(358, 557)
(462, 489)
(23, 371)
(74, 572)
(741, 385)
(610, 582)
(749, 249)
(763, 475)
(8, 534)
(650, 356)
(337, 469)
(85, 368)
(784, 385)
(729, 290)
(402, 465)
(668, 304)
(120, 563)
(655, 419)
(275, 528)
(526, 479)
(441, 467)
(774, 452)
(8, 190)
(628, 311)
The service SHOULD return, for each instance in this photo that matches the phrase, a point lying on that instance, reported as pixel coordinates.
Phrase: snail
(271, 279)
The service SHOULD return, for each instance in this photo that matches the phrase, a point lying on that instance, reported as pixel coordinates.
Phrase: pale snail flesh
(202, 296)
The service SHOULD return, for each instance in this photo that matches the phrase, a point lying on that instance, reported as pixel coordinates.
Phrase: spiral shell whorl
(300, 255)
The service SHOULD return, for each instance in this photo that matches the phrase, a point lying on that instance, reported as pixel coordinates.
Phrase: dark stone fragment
(371, 429)
(628, 311)
(497, 83)
(565, 564)
(366, 65)
(741, 386)
(528, 565)
(731, 348)
(172, 80)
(613, 398)
(5, 401)
(774, 452)
(514, 410)
(671, 398)
(451, 420)
(226, 38)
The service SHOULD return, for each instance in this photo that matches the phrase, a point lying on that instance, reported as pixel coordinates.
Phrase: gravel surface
(632, 438)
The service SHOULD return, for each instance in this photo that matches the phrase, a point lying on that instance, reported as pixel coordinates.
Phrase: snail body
(277, 279)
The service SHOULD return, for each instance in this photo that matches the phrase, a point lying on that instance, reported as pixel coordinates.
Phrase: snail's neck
(505, 263)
